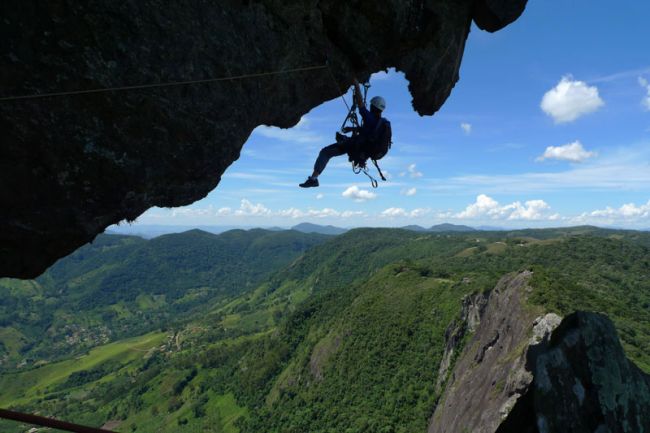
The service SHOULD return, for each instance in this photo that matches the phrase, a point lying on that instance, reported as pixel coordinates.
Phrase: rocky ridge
(527, 371)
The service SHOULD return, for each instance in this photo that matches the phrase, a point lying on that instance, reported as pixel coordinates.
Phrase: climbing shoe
(309, 183)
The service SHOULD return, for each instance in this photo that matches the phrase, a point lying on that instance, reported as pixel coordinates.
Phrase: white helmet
(378, 102)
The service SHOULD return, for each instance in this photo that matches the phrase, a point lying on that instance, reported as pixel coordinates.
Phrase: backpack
(380, 142)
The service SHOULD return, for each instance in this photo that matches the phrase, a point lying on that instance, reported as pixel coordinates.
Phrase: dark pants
(342, 147)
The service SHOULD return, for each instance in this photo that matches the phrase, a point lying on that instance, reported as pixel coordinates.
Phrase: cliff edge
(527, 371)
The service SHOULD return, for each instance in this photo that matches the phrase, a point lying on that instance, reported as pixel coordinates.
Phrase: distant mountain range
(153, 231)
(315, 228)
(446, 227)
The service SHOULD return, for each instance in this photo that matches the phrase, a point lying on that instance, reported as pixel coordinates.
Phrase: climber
(361, 138)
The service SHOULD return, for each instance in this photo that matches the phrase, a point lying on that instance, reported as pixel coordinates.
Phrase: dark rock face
(583, 383)
(524, 371)
(72, 165)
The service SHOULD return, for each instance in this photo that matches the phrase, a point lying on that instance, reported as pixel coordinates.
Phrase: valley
(321, 333)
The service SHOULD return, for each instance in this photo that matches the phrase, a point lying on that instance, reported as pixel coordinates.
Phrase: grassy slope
(24, 386)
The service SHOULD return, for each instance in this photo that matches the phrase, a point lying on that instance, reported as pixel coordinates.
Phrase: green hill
(347, 337)
(121, 286)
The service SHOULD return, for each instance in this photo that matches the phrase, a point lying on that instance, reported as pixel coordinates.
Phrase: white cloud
(409, 192)
(191, 212)
(300, 133)
(413, 172)
(467, 127)
(291, 213)
(246, 208)
(351, 213)
(646, 99)
(415, 213)
(398, 212)
(319, 196)
(628, 211)
(573, 152)
(487, 207)
(323, 213)
(318, 213)
(628, 215)
(531, 210)
(484, 205)
(357, 194)
(570, 99)
(393, 212)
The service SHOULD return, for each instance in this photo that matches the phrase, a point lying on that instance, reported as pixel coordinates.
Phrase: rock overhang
(73, 165)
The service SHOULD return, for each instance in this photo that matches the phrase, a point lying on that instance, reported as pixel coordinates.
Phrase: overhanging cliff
(73, 165)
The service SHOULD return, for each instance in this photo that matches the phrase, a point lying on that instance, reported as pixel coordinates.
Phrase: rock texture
(72, 165)
(524, 371)
(470, 317)
(490, 375)
(583, 383)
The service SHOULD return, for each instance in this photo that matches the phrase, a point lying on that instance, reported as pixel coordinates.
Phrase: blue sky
(549, 125)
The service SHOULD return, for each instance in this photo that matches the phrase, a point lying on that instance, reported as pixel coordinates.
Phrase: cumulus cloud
(627, 211)
(292, 212)
(393, 212)
(487, 207)
(629, 214)
(415, 213)
(573, 152)
(398, 212)
(247, 208)
(357, 194)
(570, 99)
(409, 192)
(413, 172)
(323, 213)
(646, 99)
(466, 127)
(352, 213)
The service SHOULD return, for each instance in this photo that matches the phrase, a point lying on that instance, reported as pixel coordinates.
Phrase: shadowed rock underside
(73, 165)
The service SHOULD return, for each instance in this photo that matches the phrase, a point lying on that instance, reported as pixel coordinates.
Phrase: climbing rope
(373, 181)
(48, 422)
(336, 83)
(161, 85)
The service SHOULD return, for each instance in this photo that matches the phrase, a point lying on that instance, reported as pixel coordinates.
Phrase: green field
(22, 387)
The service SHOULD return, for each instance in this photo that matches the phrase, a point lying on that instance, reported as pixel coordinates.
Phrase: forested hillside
(347, 337)
(122, 286)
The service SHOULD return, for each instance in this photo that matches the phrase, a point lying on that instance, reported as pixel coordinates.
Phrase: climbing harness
(359, 165)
